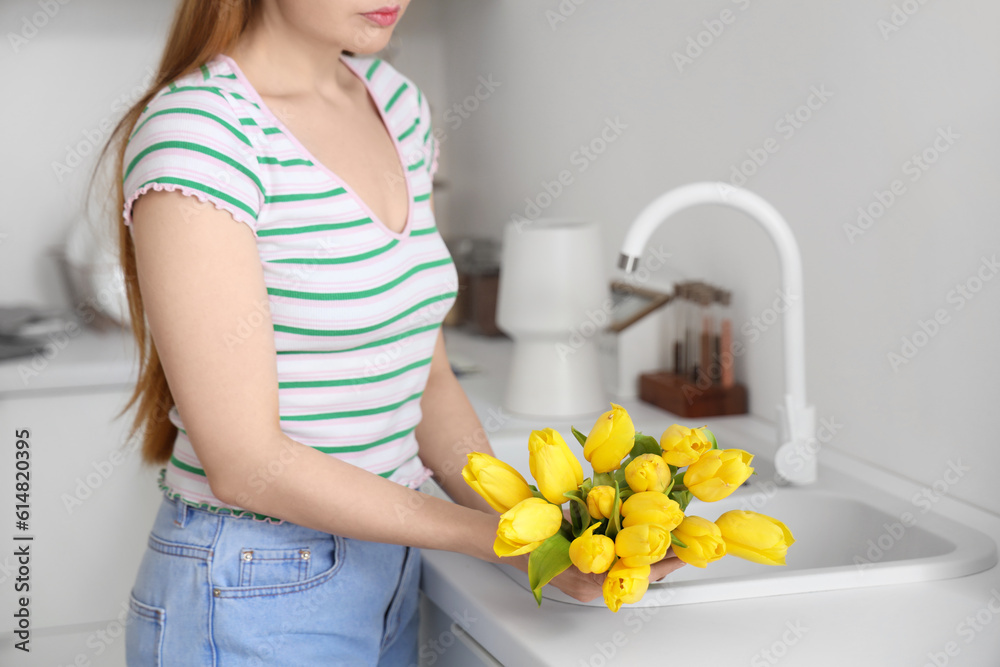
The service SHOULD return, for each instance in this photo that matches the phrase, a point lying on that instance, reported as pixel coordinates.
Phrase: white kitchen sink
(848, 535)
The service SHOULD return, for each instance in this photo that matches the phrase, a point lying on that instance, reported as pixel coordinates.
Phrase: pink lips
(384, 16)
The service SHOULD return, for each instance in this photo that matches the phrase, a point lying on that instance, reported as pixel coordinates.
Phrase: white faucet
(795, 460)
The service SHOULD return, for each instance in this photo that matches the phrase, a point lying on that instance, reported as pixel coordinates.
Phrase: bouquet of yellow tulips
(626, 516)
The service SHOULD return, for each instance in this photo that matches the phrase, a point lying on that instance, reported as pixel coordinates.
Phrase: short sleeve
(430, 142)
(190, 141)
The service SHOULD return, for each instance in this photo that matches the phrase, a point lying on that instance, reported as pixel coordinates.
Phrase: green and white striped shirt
(356, 307)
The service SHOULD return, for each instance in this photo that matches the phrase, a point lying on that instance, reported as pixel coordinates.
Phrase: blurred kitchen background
(818, 107)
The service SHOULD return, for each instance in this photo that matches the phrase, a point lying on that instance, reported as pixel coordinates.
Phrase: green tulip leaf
(604, 479)
(683, 498)
(580, 437)
(676, 542)
(645, 444)
(548, 560)
(615, 524)
(711, 436)
(566, 528)
(578, 512)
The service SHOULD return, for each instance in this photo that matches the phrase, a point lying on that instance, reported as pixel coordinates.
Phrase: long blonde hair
(201, 29)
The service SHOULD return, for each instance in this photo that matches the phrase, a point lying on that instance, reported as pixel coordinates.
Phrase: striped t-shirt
(356, 308)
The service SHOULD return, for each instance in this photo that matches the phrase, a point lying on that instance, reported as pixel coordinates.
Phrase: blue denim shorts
(218, 590)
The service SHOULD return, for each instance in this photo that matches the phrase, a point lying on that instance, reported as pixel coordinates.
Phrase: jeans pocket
(144, 634)
(267, 567)
(295, 567)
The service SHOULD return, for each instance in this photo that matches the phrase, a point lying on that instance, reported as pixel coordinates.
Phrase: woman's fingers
(578, 585)
(588, 586)
(662, 568)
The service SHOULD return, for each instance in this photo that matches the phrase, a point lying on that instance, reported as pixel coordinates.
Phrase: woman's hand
(587, 587)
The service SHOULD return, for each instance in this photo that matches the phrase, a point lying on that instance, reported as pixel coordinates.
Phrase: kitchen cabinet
(91, 501)
(445, 642)
(953, 622)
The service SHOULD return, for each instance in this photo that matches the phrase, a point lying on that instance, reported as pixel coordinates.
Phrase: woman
(279, 241)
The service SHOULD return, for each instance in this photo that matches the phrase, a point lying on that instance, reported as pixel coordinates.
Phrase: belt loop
(183, 512)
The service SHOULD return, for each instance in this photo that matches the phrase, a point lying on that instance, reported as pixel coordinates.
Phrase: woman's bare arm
(202, 283)
(449, 429)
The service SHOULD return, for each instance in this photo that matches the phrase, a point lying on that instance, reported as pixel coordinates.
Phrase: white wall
(64, 86)
(889, 98)
(614, 60)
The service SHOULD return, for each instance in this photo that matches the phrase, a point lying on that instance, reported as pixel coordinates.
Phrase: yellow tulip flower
(718, 473)
(651, 507)
(610, 440)
(683, 446)
(755, 537)
(643, 544)
(601, 502)
(624, 585)
(703, 539)
(553, 465)
(498, 483)
(648, 472)
(592, 553)
(525, 526)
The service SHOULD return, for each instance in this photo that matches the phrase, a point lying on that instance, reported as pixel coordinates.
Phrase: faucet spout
(795, 460)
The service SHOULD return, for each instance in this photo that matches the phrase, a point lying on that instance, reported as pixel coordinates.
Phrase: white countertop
(77, 358)
(933, 623)
(907, 624)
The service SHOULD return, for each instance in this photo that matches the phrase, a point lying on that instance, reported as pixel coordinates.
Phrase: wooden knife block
(685, 398)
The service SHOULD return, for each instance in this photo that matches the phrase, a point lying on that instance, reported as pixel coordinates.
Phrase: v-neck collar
(255, 97)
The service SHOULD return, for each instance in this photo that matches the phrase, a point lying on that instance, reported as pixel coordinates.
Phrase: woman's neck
(282, 64)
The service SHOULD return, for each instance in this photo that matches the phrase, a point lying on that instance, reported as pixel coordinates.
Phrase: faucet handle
(795, 459)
